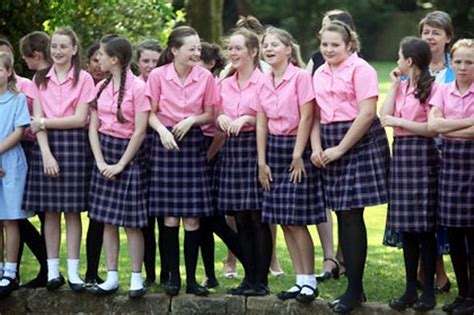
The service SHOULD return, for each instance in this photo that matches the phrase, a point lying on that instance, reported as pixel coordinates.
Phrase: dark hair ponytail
(123, 80)
(175, 40)
(93, 103)
(420, 53)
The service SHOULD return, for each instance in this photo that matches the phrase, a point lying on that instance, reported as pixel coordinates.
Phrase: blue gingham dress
(456, 184)
(287, 203)
(413, 185)
(120, 202)
(359, 178)
(179, 185)
(239, 189)
(69, 191)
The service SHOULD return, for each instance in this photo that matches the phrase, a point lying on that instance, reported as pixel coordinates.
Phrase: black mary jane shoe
(96, 290)
(55, 283)
(458, 301)
(77, 287)
(423, 306)
(445, 288)
(307, 298)
(466, 308)
(257, 290)
(9, 288)
(286, 295)
(239, 290)
(210, 283)
(136, 294)
(171, 289)
(196, 289)
(341, 308)
(402, 303)
(327, 275)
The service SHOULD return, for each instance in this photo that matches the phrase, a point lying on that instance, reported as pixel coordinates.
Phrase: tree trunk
(206, 17)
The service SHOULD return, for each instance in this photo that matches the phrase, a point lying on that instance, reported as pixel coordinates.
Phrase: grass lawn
(384, 274)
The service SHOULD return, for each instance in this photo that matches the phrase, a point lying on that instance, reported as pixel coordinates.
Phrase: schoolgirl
(412, 206)
(148, 53)
(182, 94)
(453, 117)
(239, 193)
(293, 194)
(117, 129)
(59, 176)
(13, 167)
(351, 147)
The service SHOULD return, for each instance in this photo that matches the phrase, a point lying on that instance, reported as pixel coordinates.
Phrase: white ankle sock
(10, 272)
(309, 280)
(73, 271)
(299, 282)
(53, 268)
(136, 281)
(111, 282)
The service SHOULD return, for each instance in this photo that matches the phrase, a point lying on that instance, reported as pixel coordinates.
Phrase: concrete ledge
(64, 301)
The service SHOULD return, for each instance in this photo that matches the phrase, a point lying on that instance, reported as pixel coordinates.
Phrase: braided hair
(119, 47)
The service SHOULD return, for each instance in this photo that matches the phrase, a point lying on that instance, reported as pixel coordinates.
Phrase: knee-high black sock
(428, 259)
(353, 238)
(192, 239)
(164, 266)
(171, 251)
(458, 253)
(219, 226)
(149, 259)
(246, 239)
(207, 247)
(94, 239)
(263, 247)
(470, 247)
(411, 255)
(30, 236)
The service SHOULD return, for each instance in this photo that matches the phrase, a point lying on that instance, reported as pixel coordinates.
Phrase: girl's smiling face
(62, 49)
(189, 54)
(333, 48)
(274, 51)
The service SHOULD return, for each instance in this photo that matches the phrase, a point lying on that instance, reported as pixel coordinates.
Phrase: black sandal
(286, 295)
(306, 298)
(327, 275)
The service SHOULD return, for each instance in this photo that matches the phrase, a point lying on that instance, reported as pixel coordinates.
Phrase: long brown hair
(288, 41)
(175, 40)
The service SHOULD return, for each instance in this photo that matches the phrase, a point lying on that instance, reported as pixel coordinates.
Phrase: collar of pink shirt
(254, 79)
(453, 90)
(347, 63)
(172, 75)
(53, 77)
(290, 71)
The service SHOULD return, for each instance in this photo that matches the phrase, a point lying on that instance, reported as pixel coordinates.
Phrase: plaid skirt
(120, 202)
(359, 178)
(239, 189)
(178, 181)
(213, 167)
(413, 185)
(69, 191)
(287, 203)
(456, 184)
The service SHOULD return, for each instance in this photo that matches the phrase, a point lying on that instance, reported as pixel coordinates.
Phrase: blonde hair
(7, 61)
(348, 35)
(288, 41)
(464, 42)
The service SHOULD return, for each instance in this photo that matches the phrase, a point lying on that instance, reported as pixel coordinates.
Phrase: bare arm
(216, 145)
(12, 140)
(304, 130)
(388, 106)
(264, 171)
(94, 125)
(166, 137)
(181, 129)
(462, 133)
(78, 120)
(316, 145)
(437, 123)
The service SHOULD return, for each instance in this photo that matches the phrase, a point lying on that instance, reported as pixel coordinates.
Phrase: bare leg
(327, 241)
(111, 246)
(73, 234)
(52, 233)
(275, 267)
(135, 248)
(13, 240)
(230, 269)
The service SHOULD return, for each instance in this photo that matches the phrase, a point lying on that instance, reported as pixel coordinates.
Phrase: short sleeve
(212, 93)
(22, 116)
(141, 102)
(153, 86)
(33, 92)
(437, 98)
(365, 82)
(304, 88)
(87, 94)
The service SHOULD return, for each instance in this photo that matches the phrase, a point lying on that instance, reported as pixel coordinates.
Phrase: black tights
(149, 259)
(35, 241)
(218, 225)
(415, 244)
(353, 241)
(95, 236)
(256, 242)
(461, 250)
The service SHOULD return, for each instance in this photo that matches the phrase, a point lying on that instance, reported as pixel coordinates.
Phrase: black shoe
(341, 308)
(239, 290)
(135, 294)
(443, 289)
(55, 283)
(286, 295)
(171, 289)
(458, 301)
(402, 303)
(257, 290)
(38, 282)
(424, 306)
(307, 298)
(196, 289)
(327, 275)
(96, 290)
(210, 283)
(9, 288)
(148, 283)
(77, 287)
(466, 308)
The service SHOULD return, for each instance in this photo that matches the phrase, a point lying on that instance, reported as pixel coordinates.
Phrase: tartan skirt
(119, 202)
(359, 178)
(213, 167)
(239, 189)
(456, 184)
(287, 203)
(178, 179)
(69, 191)
(413, 185)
